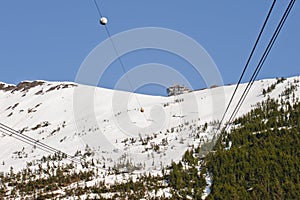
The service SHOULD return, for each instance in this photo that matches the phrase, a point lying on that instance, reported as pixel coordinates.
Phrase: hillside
(259, 157)
(107, 147)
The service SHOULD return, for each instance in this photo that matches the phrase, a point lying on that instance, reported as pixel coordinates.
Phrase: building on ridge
(177, 89)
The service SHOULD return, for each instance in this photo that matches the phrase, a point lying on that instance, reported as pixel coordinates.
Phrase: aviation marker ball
(103, 21)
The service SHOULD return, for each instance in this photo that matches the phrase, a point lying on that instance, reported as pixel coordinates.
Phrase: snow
(206, 190)
(112, 125)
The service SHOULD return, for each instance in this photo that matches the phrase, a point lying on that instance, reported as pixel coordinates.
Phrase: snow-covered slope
(61, 115)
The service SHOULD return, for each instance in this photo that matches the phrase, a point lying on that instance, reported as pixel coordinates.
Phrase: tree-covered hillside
(260, 157)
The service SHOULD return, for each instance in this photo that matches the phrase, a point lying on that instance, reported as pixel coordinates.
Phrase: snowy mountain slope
(56, 114)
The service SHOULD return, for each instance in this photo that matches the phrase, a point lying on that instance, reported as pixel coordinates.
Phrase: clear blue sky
(48, 40)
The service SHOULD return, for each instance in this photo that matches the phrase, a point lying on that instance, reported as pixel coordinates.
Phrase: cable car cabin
(103, 21)
(142, 110)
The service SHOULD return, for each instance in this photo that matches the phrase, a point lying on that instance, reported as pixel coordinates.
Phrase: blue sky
(48, 40)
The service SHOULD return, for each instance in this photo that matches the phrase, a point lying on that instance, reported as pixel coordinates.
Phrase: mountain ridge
(136, 142)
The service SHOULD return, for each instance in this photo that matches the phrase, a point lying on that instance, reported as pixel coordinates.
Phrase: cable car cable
(248, 61)
(33, 142)
(118, 56)
(98, 9)
(261, 62)
(24, 141)
(25, 137)
(45, 149)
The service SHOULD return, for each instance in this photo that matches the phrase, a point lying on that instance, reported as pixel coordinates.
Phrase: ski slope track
(152, 140)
